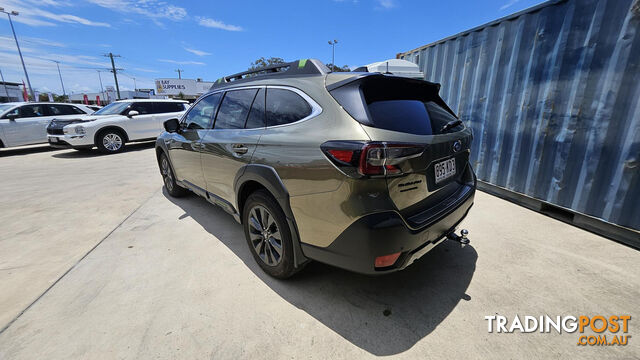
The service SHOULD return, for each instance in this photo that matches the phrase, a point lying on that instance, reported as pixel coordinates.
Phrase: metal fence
(553, 97)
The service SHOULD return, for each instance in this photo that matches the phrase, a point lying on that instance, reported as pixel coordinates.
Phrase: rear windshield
(396, 104)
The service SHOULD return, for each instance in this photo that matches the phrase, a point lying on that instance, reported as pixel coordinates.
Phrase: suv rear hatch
(422, 147)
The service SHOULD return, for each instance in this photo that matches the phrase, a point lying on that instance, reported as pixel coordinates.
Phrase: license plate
(445, 169)
(54, 139)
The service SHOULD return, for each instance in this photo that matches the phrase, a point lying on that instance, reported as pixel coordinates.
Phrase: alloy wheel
(167, 176)
(265, 235)
(112, 142)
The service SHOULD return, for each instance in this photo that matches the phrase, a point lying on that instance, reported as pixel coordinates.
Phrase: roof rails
(298, 67)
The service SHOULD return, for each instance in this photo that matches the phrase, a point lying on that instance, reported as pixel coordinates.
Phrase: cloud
(154, 9)
(211, 23)
(197, 52)
(32, 14)
(508, 4)
(386, 4)
(187, 62)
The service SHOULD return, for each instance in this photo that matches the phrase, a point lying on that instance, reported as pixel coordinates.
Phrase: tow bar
(462, 238)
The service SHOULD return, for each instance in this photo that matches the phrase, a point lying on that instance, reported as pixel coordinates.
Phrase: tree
(334, 68)
(262, 62)
(180, 95)
(60, 98)
(43, 97)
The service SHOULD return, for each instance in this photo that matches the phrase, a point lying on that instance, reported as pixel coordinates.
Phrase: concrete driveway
(96, 261)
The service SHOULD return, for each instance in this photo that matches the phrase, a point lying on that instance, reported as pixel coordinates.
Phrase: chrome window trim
(316, 109)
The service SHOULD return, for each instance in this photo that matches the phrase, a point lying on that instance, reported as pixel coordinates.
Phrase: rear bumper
(386, 233)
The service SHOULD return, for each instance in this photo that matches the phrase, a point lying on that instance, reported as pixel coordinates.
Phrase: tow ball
(462, 238)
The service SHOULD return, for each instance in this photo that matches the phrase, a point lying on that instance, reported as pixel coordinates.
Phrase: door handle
(239, 149)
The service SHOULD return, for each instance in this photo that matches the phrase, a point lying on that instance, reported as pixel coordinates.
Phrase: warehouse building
(10, 92)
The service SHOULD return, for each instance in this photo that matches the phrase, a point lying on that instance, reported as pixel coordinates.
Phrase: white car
(115, 124)
(24, 123)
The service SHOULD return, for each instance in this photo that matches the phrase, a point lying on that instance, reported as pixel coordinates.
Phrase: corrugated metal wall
(553, 97)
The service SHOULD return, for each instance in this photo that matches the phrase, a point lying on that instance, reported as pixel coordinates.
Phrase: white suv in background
(24, 123)
(115, 124)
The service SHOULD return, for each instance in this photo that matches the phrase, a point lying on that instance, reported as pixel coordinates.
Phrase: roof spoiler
(298, 67)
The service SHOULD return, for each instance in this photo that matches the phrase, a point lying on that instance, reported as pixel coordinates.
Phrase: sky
(208, 38)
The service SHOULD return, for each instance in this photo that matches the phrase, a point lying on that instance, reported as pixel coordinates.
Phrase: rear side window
(167, 107)
(201, 114)
(285, 107)
(234, 109)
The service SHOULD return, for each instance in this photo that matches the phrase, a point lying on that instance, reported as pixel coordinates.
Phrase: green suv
(363, 171)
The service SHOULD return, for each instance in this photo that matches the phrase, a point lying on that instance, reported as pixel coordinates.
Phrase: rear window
(396, 104)
(401, 115)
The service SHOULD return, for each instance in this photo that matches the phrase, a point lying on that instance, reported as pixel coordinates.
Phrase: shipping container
(552, 95)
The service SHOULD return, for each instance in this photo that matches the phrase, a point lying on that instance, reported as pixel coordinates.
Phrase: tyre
(169, 179)
(268, 235)
(110, 141)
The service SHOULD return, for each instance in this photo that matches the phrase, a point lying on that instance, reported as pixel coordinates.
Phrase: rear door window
(256, 115)
(59, 109)
(234, 109)
(285, 106)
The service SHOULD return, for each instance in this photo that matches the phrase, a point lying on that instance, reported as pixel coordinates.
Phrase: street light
(15, 13)
(333, 52)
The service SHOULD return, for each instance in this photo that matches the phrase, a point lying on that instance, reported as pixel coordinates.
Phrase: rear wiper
(451, 124)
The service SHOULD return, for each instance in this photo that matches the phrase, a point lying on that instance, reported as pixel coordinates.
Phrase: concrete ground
(96, 261)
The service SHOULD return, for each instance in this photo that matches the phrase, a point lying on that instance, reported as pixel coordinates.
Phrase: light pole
(5, 86)
(15, 13)
(64, 93)
(333, 52)
(101, 88)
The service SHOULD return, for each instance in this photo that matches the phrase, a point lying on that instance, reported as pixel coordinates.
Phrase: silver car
(26, 123)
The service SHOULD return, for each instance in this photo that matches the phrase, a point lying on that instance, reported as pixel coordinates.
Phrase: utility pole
(15, 13)
(115, 74)
(5, 86)
(179, 71)
(64, 93)
(333, 53)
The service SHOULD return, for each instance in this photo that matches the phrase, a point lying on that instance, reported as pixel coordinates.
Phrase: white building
(189, 88)
(10, 91)
(110, 95)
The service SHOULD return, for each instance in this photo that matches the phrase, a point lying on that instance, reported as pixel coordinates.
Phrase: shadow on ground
(26, 150)
(95, 152)
(383, 315)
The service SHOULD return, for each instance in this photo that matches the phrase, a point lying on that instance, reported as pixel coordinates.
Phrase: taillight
(357, 159)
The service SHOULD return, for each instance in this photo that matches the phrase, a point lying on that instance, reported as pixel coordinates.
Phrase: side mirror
(132, 113)
(172, 125)
(12, 117)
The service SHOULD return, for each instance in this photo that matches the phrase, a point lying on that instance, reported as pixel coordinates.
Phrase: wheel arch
(254, 177)
(110, 127)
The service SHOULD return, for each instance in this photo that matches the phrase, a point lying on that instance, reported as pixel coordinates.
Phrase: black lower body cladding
(385, 233)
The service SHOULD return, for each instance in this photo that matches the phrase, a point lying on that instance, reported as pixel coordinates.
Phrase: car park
(363, 171)
(114, 125)
(26, 123)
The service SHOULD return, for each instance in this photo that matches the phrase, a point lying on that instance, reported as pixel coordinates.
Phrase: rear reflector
(386, 260)
(342, 155)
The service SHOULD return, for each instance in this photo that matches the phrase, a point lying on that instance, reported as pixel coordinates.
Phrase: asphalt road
(96, 261)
